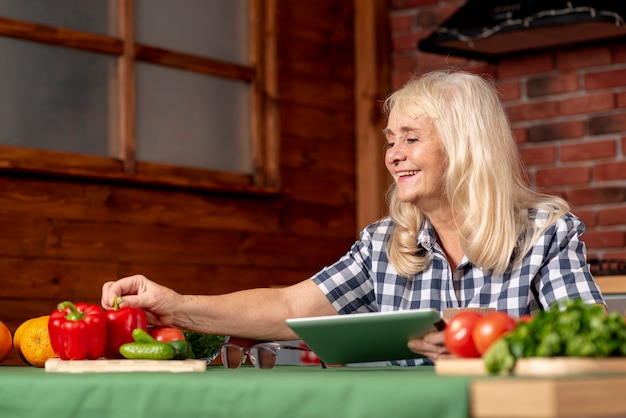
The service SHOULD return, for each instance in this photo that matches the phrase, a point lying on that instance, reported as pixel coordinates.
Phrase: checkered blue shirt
(555, 269)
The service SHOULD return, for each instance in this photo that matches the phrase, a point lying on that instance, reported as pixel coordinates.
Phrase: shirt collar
(426, 237)
(427, 241)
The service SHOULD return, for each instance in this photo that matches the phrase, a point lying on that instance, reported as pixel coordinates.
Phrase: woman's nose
(395, 153)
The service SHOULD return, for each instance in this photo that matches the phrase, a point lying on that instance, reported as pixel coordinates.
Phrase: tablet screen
(366, 337)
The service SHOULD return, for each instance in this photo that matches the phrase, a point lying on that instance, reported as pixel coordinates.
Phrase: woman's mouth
(404, 174)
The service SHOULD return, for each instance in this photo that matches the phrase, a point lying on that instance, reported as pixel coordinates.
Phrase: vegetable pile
(145, 346)
(574, 329)
(84, 331)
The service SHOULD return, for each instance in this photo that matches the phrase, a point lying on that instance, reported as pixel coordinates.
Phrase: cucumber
(148, 351)
(182, 348)
(141, 336)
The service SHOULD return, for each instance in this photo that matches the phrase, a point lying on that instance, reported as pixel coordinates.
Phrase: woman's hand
(158, 302)
(432, 346)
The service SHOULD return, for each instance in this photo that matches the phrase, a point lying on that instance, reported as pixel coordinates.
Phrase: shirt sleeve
(347, 283)
(564, 273)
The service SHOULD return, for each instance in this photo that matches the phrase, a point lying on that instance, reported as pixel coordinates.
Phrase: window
(156, 91)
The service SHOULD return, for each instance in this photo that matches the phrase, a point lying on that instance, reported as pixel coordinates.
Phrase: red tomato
(458, 334)
(165, 334)
(490, 328)
(525, 318)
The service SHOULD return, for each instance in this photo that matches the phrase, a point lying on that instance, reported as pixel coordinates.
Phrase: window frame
(261, 74)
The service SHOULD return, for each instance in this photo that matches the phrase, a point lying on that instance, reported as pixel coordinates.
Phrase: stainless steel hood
(494, 29)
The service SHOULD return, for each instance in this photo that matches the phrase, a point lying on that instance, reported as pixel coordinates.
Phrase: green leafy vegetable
(499, 357)
(574, 329)
(204, 345)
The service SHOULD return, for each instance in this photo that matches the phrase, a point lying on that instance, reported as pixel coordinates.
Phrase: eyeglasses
(262, 356)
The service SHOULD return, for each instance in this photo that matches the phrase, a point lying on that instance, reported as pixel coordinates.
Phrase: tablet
(365, 337)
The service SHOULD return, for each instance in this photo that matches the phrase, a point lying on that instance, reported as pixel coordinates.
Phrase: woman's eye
(389, 145)
(411, 140)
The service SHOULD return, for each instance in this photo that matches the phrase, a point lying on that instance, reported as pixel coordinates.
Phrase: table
(286, 391)
(575, 396)
(305, 391)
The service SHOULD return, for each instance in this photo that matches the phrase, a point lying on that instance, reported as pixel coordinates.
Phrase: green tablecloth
(286, 391)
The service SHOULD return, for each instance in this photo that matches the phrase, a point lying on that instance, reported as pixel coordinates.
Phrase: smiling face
(416, 160)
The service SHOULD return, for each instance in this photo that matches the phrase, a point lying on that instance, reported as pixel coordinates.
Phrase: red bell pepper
(120, 325)
(78, 331)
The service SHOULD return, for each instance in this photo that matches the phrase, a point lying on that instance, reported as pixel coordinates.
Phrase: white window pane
(193, 120)
(210, 28)
(95, 16)
(57, 98)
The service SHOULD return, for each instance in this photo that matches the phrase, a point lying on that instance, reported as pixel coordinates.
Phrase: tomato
(490, 328)
(458, 334)
(525, 318)
(165, 334)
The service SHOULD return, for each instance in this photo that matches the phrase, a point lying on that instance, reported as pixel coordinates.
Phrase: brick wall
(567, 109)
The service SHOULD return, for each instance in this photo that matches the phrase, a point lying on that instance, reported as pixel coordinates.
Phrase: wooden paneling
(372, 87)
(61, 239)
(59, 36)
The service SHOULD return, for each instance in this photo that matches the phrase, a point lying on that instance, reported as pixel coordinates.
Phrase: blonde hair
(484, 181)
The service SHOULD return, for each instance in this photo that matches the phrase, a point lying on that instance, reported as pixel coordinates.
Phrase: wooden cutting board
(56, 365)
(555, 366)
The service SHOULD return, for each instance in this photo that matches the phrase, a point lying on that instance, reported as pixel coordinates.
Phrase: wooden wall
(61, 238)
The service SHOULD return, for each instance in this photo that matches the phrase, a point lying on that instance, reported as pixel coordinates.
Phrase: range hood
(494, 29)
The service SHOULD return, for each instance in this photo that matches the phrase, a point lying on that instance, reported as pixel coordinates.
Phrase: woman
(463, 230)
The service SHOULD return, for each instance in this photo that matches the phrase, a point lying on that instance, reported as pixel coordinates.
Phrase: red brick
(531, 64)
(587, 216)
(588, 151)
(561, 83)
(562, 176)
(532, 111)
(583, 57)
(406, 4)
(605, 79)
(599, 125)
(432, 18)
(401, 23)
(604, 239)
(398, 80)
(520, 135)
(427, 61)
(538, 155)
(614, 255)
(403, 63)
(561, 130)
(406, 42)
(610, 171)
(480, 68)
(612, 216)
(596, 195)
(587, 104)
(619, 52)
(621, 99)
(509, 90)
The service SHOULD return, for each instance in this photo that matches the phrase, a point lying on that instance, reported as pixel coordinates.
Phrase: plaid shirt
(555, 269)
